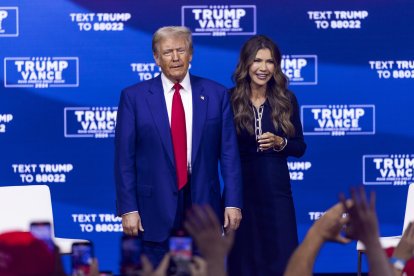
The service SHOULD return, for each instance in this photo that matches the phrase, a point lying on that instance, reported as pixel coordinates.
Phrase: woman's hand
(269, 140)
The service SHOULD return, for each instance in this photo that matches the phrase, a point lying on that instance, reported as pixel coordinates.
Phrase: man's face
(173, 56)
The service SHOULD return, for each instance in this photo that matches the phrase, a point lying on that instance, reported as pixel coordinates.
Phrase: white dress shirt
(187, 99)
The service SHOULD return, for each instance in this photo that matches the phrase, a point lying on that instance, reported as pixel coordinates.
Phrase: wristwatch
(281, 146)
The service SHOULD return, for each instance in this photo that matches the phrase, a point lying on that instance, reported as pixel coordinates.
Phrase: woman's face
(262, 68)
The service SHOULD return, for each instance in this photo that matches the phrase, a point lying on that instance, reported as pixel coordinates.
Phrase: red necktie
(179, 137)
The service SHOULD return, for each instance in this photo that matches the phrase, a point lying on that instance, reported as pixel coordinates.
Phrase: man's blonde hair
(169, 31)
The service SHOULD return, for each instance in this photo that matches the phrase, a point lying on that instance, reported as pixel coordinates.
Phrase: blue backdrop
(65, 62)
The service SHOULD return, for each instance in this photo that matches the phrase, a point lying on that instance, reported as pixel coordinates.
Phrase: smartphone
(82, 255)
(130, 255)
(181, 250)
(105, 273)
(42, 230)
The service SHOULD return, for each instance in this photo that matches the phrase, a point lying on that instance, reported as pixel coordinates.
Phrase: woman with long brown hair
(266, 115)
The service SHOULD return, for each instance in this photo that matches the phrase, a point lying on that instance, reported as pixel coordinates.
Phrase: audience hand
(205, 228)
(148, 270)
(330, 225)
(94, 268)
(327, 228)
(363, 223)
(198, 267)
(405, 248)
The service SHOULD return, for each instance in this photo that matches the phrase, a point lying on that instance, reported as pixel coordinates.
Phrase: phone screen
(130, 254)
(105, 273)
(82, 254)
(181, 250)
(42, 231)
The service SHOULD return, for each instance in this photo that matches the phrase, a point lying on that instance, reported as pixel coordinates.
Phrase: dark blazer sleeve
(296, 145)
(125, 171)
(230, 158)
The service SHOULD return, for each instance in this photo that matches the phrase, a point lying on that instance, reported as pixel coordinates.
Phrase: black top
(295, 146)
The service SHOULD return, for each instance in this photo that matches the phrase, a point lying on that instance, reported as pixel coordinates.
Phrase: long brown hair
(276, 91)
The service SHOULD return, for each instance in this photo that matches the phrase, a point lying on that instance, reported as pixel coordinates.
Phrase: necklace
(258, 114)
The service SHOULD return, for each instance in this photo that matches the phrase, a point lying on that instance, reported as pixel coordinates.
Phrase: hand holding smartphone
(42, 230)
(130, 255)
(181, 250)
(82, 255)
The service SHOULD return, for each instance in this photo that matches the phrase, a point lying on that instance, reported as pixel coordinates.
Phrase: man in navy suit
(172, 132)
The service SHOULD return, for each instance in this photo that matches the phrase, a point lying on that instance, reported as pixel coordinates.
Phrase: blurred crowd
(21, 253)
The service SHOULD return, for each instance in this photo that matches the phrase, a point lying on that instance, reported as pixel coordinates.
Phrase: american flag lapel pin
(202, 97)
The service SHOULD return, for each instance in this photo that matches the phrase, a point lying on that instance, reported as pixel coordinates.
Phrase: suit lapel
(200, 102)
(157, 107)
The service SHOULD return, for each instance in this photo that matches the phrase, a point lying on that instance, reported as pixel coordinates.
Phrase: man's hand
(131, 223)
(232, 218)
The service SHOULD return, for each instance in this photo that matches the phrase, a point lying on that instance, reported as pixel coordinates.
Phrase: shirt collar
(167, 84)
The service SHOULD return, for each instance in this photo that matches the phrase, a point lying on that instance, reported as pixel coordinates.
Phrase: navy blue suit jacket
(144, 160)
